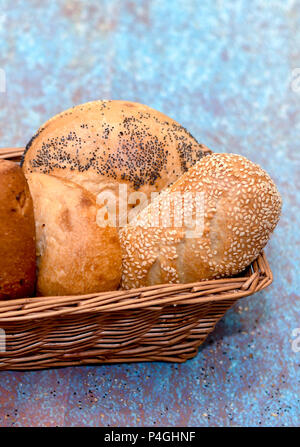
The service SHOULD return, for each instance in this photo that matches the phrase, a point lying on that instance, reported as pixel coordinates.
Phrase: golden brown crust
(17, 234)
(75, 255)
(102, 144)
(241, 209)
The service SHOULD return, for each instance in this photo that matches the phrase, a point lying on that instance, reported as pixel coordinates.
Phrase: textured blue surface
(222, 69)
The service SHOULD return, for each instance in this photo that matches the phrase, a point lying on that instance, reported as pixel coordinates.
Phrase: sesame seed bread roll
(240, 210)
(74, 255)
(17, 234)
(102, 144)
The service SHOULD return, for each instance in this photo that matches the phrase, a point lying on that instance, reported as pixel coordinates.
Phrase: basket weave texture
(157, 323)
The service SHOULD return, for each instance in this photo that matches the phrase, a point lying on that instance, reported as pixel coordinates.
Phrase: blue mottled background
(225, 70)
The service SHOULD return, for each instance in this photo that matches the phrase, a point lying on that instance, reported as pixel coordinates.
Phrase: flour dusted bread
(102, 144)
(17, 234)
(75, 255)
(241, 209)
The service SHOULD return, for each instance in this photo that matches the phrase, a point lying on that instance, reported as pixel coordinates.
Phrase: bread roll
(241, 209)
(17, 234)
(102, 144)
(75, 256)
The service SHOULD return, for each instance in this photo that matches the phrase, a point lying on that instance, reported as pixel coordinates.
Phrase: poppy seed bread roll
(17, 234)
(241, 207)
(74, 255)
(102, 144)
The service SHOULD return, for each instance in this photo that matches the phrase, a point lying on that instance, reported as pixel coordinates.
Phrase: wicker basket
(156, 323)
